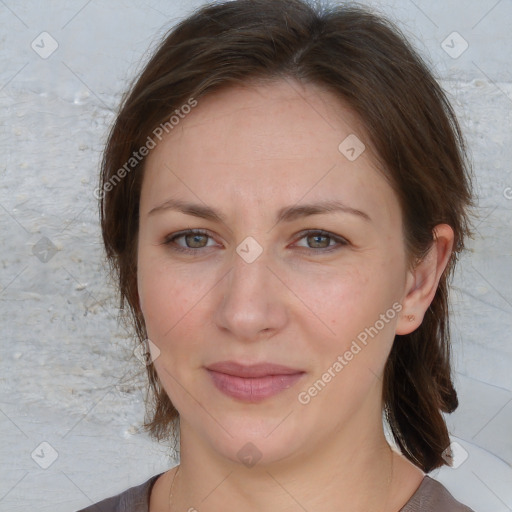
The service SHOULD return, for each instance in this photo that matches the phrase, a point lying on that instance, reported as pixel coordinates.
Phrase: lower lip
(253, 389)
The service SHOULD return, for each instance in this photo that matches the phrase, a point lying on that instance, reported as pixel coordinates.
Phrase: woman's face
(263, 286)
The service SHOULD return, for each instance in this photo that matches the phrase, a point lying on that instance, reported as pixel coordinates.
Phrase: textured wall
(67, 374)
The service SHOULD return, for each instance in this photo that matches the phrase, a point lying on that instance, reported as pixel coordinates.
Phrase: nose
(254, 300)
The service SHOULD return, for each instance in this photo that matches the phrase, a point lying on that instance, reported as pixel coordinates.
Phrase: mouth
(253, 383)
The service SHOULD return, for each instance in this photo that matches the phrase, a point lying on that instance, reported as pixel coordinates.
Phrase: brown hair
(366, 61)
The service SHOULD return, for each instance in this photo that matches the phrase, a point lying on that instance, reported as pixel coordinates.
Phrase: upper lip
(252, 371)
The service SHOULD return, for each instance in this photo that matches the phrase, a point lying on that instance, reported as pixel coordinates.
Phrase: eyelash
(170, 240)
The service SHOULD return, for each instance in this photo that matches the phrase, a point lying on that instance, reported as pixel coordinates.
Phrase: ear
(422, 281)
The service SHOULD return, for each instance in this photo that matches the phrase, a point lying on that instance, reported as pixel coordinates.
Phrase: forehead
(291, 120)
(267, 143)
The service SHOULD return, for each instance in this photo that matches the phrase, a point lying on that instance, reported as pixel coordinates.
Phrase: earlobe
(423, 280)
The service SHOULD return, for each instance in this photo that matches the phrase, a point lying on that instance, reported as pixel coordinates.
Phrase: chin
(258, 452)
(261, 442)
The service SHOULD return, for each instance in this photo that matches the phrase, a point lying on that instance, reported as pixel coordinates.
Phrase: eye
(321, 240)
(196, 239)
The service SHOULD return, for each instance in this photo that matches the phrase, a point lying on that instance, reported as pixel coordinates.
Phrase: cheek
(341, 296)
(172, 297)
(350, 355)
(347, 303)
(172, 303)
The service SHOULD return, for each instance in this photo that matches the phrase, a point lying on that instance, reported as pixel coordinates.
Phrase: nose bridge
(252, 296)
(250, 268)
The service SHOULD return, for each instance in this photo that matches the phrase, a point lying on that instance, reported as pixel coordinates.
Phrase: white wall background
(67, 374)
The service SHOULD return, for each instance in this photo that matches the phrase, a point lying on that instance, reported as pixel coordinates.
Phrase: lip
(252, 371)
(252, 383)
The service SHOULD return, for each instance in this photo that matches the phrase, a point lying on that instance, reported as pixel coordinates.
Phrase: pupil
(196, 238)
(317, 237)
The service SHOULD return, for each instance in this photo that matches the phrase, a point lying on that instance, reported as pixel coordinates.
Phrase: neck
(352, 474)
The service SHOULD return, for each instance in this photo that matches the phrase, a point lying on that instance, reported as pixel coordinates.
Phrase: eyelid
(341, 241)
(322, 232)
(169, 239)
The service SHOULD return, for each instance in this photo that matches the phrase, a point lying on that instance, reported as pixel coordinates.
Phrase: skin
(248, 151)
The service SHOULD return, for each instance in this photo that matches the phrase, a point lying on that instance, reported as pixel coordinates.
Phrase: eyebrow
(286, 214)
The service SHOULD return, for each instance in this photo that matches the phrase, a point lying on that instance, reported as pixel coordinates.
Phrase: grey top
(430, 496)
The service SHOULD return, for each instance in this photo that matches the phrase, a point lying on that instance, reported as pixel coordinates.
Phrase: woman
(284, 194)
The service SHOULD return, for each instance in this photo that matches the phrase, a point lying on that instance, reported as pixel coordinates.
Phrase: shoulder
(432, 496)
(134, 499)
